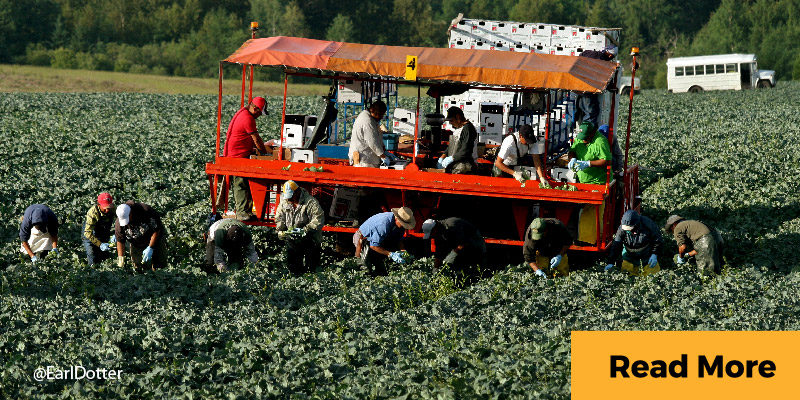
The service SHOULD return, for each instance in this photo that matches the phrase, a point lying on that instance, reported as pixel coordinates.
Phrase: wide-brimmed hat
(538, 228)
(672, 220)
(405, 216)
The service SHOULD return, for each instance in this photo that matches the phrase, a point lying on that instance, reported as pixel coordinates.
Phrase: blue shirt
(380, 228)
(38, 214)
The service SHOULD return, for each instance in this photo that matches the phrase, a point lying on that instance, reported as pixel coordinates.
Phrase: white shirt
(508, 153)
(367, 140)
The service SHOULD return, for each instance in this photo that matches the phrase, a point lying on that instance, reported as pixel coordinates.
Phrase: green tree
(294, 21)
(268, 13)
(341, 29)
(414, 24)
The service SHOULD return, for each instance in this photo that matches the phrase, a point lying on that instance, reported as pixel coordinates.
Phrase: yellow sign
(411, 68)
(685, 365)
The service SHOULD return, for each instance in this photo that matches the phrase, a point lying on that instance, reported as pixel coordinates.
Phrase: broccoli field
(731, 159)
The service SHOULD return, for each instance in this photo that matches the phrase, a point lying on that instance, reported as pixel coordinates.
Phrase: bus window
(730, 68)
(720, 68)
(709, 69)
(689, 71)
(698, 70)
(678, 71)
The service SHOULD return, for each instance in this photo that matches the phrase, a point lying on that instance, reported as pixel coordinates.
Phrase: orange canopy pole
(250, 96)
(219, 112)
(244, 79)
(283, 116)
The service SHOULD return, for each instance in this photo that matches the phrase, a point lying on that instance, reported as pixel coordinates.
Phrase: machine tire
(626, 90)
(763, 84)
(695, 89)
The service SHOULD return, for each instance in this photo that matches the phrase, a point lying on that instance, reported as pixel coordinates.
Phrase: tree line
(188, 37)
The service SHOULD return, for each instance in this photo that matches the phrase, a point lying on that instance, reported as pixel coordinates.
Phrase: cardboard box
(349, 92)
(345, 203)
(563, 174)
(305, 156)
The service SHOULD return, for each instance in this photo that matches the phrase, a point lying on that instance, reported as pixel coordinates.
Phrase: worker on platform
(366, 141)
(97, 230)
(459, 158)
(380, 237)
(39, 232)
(242, 136)
(639, 241)
(459, 244)
(299, 221)
(589, 103)
(545, 250)
(589, 157)
(140, 226)
(512, 151)
(228, 243)
(698, 240)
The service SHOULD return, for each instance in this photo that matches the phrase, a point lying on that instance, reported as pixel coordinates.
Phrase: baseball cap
(610, 49)
(538, 228)
(124, 214)
(288, 189)
(629, 220)
(105, 199)
(587, 130)
(452, 112)
(427, 228)
(261, 103)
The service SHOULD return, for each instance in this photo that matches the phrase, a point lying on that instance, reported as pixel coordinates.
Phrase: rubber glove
(653, 261)
(555, 261)
(572, 162)
(447, 161)
(608, 267)
(544, 181)
(298, 232)
(34, 259)
(540, 273)
(121, 261)
(54, 251)
(518, 176)
(581, 165)
(397, 257)
(221, 267)
(147, 254)
(439, 163)
(451, 257)
(103, 246)
(681, 260)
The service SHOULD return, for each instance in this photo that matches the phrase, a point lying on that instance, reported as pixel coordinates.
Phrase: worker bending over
(140, 226)
(639, 240)
(546, 243)
(38, 232)
(698, 240)
(380, 237)
(97, 238)
(299, 221)
(458, 244)
(228, 243)
(514, 147)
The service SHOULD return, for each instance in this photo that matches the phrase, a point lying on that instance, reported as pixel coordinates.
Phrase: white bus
(719, 72)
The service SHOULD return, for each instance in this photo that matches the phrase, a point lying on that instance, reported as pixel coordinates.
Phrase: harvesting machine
(500, 207)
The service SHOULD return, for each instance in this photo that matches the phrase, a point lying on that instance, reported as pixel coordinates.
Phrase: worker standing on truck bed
(458, 244)
(546, 243)
(639, 240)
(140, 226)
(698, 240)
(589, 103)
(379, 235)
(240, 138)
(97, 230)
(458, 158)
(299, 220)
(366, 141)
(39, 232)
(514, 147)
(589, 156)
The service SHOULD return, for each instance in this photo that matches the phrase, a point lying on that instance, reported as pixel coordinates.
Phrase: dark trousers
(304, 248)
(93, 253)
(235, 256)
(589, 104)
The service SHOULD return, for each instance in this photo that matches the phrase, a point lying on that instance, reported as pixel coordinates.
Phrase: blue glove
(555, 261)
(297, 231)
(103, 246)
(147, 254)
(397, 257)
(572, 162)
(439, 163)
(581, 165)
(653, 261)
(451, 257)
(54, 251)
(540, 273)
(608, 267)
(681, 260)
(34, 259)
(447, 161)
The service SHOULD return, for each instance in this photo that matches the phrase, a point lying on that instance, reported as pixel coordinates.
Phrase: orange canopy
(436, 65)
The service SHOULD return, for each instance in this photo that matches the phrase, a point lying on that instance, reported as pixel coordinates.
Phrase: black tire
(626, 90)
(695, 89)
(764, 84)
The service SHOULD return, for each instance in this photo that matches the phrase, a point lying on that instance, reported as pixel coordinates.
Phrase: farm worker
(366, 141)
(240, 138)
(380, 233)
(141, 226)
(39, 232)
(299, 219)
(228, 239)
(97, 229)
(459, 157)
(458, 243)
(589, 156)
(589, 103)
(639, 240)
(545, 250)
(698, 240)
(514, 147)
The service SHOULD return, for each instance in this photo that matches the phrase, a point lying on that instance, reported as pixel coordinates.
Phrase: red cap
(104, 199)
(260, 102)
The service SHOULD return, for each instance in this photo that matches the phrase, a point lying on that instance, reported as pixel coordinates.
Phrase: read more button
(664, 365)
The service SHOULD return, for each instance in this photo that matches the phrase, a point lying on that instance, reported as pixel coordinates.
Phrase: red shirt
(238, 142)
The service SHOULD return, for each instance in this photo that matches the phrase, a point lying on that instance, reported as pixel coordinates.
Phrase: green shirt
(98, 225)
(597, 149)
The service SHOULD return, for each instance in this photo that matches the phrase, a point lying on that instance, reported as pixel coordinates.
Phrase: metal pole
(283, 116)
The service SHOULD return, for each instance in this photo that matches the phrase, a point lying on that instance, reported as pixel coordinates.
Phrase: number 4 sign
(411, 68)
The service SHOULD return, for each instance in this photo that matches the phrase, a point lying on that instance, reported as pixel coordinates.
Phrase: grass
(27, 78)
